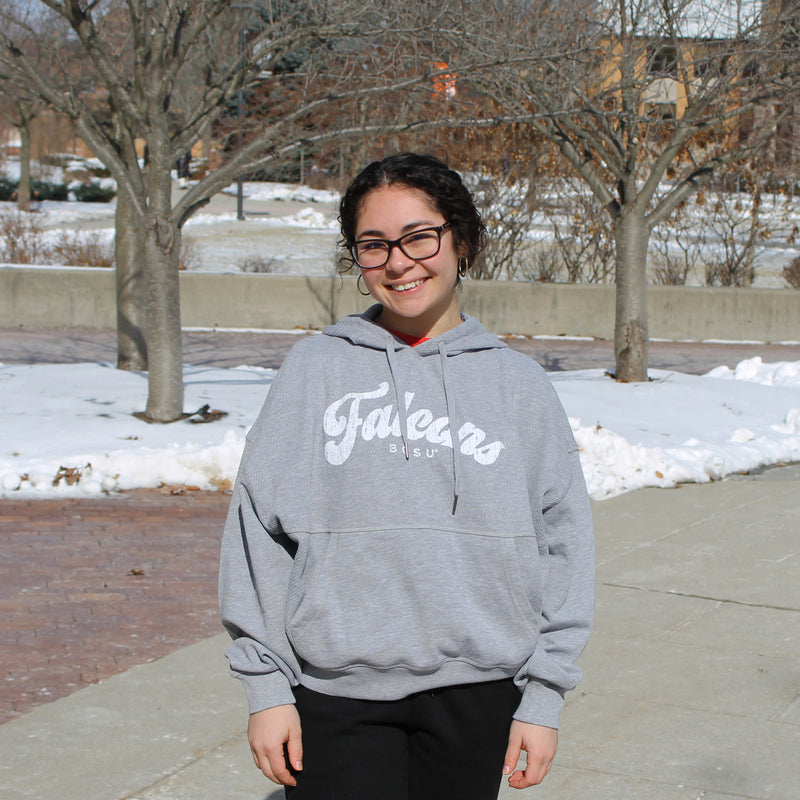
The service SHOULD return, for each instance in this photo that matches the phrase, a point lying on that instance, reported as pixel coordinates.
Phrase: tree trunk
(631, 337)
(131, 313)
(24, 188)
(164, 344)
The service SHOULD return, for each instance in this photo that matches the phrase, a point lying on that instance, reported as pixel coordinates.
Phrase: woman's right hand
(268, 731)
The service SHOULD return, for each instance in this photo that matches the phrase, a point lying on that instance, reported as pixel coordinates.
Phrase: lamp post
(240, 115)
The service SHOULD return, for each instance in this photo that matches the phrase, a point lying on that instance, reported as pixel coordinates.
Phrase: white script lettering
(343, 422)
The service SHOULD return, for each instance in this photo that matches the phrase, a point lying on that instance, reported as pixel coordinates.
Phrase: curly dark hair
(427, 174)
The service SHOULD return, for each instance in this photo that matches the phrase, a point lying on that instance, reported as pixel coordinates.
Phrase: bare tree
(647, 100)
(163, 74)
(19, 106)
(20, 115)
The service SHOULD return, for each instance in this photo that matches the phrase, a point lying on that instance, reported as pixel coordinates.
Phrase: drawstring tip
(405, 450)
(455, 503)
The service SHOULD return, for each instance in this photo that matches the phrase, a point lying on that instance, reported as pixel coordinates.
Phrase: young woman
(407, 565)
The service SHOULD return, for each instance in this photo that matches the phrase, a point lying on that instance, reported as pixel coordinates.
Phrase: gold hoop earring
(358, 286)
(463, 266)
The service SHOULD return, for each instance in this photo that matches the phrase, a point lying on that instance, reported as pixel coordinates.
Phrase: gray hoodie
(408, 518)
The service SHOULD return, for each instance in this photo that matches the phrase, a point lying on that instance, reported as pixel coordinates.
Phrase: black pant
(433, 745)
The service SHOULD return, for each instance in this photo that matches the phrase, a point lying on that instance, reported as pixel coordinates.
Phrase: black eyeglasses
(417, 245)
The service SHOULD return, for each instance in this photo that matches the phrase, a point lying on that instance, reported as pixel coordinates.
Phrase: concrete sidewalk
(692, 686)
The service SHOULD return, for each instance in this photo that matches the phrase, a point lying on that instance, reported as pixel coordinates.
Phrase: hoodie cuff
(266, 691)
(541, 704)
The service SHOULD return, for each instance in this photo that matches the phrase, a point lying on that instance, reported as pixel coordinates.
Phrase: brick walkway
(89, 588)
(265, 349)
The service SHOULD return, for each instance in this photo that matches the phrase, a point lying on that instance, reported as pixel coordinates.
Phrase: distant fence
(38, 297)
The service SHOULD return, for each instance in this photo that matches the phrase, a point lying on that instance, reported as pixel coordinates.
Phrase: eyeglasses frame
(392, 243)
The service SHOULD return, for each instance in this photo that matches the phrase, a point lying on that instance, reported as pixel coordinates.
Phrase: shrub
(545, 265)
(94, 193)
(7, 189)
(59, 160)
(670, 271)
(78, 250)
(262, 264)
(21, 239)
(508, 209)
(582, 232)
(729, 273)
(791, 273)
(189, 257)
(45, 190)
(676, 245)
(98, 170)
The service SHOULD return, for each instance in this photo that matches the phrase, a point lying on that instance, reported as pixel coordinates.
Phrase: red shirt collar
(410, 340)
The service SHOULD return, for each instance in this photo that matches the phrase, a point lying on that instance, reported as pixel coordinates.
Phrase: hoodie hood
(362, 330)
(470, 336)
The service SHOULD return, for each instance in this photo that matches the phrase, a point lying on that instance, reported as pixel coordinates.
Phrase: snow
(681, 428)
(70, 430)
(262, 192)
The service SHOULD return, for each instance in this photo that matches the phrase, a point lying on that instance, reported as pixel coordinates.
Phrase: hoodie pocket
(308, 585)
(527, 570)
(416, 599)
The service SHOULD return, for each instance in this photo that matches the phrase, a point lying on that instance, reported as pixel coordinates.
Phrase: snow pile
(682, 428)
(284, 191)
(755, 370)
(310, 218)
(70, 430)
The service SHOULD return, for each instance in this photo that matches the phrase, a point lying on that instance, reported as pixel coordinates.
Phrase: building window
(665, 62)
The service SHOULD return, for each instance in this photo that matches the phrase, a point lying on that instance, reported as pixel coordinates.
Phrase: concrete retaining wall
(39, 297)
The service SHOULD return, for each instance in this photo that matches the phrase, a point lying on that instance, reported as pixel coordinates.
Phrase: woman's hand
(268, 731)
(540, 743)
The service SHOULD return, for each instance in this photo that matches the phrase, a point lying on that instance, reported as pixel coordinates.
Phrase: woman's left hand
(540, 743)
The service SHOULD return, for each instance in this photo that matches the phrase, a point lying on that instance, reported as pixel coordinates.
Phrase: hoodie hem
(368, 683)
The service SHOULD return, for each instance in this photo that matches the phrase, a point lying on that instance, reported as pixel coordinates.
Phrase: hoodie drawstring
(447, 395)
(448, 402)
(401, 407)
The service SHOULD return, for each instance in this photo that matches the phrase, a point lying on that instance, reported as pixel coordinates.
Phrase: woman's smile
(407, 287)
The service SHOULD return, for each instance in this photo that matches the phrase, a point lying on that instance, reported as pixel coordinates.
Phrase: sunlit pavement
(691, 687)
